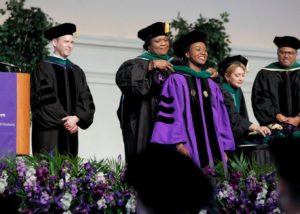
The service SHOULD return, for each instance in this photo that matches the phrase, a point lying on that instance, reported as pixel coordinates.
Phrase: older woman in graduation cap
(140, 81)
(233, 70)
(192, 116)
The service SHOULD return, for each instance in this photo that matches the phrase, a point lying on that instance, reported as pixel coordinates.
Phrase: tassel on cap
(167, 27)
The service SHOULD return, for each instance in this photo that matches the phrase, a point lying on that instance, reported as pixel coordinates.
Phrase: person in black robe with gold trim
(276, 89)
(233, 70)
(140, 81)
(60, 97)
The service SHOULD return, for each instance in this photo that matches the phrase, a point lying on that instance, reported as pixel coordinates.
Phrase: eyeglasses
(289, 53)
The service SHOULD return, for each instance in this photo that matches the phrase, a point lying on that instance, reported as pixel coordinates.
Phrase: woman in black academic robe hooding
(140, 81)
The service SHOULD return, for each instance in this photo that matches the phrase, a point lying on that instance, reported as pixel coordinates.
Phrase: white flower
(262, 194)
(3, 182)
(3, 185)
(66, 201)
(130, 206)
(203, 212)
(67, 177)
(30, 172)
(100, 177)
(30, 177)
(277, 210)
(101, 203)
(221, 195)
(224, 193)
(67, 212)
(29, 183)
(260, 202)
(61, 183)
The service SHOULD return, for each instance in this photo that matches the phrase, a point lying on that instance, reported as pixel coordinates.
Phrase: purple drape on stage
(8, 112)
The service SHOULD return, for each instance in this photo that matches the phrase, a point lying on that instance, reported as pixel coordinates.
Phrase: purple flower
(274, 195)
(21, 168)
(27, 211)
(109, 198)
(235, 179)
(73, 190)
(87, 166)
(123, 175)
(111, 177)
(46, 171)
(44, 199)
(98, 193)
(270, 178)
(92, 184)
(118, 194)
(126, 193)
(262, 177)
(209, 172)
(77, 209)
(39, 172)
(120, 202)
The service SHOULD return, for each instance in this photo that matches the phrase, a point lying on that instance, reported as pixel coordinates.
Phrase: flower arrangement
(59, 184)
(247, 188)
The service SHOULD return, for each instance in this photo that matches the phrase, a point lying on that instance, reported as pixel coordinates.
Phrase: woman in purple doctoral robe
(192, 115)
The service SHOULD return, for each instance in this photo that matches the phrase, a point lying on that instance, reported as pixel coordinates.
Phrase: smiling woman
(159, 45)
(233, 69)
(140, 81)
(192, 117)
(197, 55)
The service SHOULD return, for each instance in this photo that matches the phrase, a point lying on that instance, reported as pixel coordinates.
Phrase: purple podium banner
(8, 112)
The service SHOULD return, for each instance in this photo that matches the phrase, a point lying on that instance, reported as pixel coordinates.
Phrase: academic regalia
(192, 112)
(140, 91)
(60, 30)
(237, 110)
(139, 101)
(234, 100)
(58, 89)
(276, 90)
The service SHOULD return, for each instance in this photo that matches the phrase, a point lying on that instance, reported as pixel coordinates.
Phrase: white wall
(251, 23)
(100, 58)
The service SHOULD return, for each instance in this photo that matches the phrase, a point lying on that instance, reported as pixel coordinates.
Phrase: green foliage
(21, 35)
(240, 163)
(248, 167)
(217, 39)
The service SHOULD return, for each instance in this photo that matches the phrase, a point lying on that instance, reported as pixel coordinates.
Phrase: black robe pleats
(58, 91)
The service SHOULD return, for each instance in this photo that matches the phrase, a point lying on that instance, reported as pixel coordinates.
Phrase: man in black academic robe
(276, 89)
(60, 97)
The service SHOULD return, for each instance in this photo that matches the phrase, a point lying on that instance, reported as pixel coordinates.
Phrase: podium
(14, 113)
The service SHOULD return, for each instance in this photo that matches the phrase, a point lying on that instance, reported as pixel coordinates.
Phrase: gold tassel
(76, 32)
(247, 68)
(167, 27)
